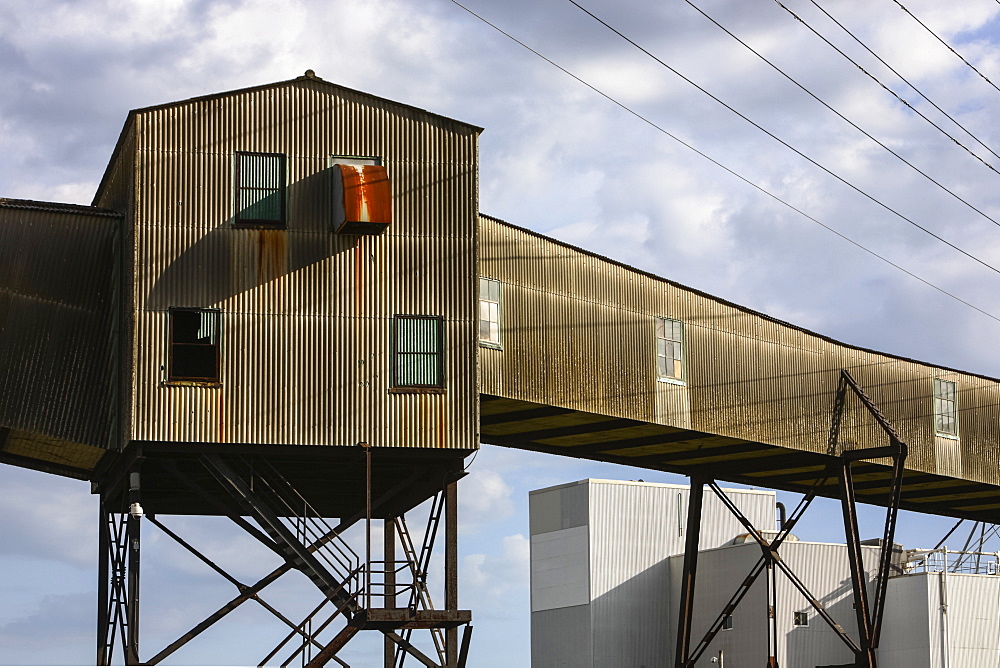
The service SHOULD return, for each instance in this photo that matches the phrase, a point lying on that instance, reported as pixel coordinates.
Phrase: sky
(562, 159)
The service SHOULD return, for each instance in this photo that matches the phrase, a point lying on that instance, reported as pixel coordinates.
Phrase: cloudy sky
(559, 158)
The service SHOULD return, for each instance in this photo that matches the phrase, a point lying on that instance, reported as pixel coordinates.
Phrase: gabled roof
(57, 207)
(308, 76)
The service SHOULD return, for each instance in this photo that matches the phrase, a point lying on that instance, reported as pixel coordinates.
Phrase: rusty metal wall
(578, 332)
(56, 319)
(305, 312)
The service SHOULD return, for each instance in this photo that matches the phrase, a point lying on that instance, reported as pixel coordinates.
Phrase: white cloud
(491, 576)
(484, 498)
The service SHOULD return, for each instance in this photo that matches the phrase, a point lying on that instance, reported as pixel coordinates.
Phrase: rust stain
(359, 258)
(367, 194)
(272, 254)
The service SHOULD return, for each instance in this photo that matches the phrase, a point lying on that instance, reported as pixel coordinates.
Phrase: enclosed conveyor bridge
(593, 359)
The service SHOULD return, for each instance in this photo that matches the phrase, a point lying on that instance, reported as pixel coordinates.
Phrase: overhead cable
(722, 166)
(886, 88)
(844, 118)
(949, 47)
(904, 79)
(781, 141)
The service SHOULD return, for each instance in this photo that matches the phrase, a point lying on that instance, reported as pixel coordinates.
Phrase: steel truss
(869, 613)
(358, 592)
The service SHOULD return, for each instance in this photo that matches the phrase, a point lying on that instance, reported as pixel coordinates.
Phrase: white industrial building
(606, 562)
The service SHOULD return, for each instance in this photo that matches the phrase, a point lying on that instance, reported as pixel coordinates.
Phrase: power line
(949, 47)
(787, 145)
(844, 118)
(904, 79)
(731, 171)
(886, 88)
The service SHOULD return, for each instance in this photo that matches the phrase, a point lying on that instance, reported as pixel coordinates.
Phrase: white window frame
(669, 334)
(801, 618)
(945, 408)
(494, 307)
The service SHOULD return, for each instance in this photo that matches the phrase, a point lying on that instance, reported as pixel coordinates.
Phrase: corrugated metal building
(606, 563)
(289, 267)
(600, 569)
(586, 357)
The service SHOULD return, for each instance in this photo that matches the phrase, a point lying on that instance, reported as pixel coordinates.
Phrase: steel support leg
(389, 556)
(104, 630)
(691, 539)
(451, 570)
(772, 617)
(133, 533)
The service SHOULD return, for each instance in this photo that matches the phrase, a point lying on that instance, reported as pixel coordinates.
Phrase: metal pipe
(782, 515)
(943, 597)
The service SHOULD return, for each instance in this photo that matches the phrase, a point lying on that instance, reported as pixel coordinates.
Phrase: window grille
(418, 351)
(260, 189)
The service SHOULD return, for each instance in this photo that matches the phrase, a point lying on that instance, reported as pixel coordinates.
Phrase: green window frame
(194, 336)
(259, 191)
(670, 363)
(489, 312)
(945, 408)
(417, 351)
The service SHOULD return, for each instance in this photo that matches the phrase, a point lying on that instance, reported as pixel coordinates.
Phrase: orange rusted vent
(367, 199)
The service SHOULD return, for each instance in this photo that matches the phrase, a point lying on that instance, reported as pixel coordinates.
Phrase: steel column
(103, 588)
(133, 536)
(691, 540)
(389, 556)
(451, 569)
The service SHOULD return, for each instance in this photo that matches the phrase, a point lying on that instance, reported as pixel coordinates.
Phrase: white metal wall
(613, 539)
(937, 620)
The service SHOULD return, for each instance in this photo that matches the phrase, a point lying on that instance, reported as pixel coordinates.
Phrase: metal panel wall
(631, 529)
(306, 312)
(56, 317)
(577, 332)
(907, 639)
(634, 528)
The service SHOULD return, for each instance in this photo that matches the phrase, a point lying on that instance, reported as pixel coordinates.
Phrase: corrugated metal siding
(56, 315)
(631, 530)
(577, 332)
(306, 313)
(118, 193)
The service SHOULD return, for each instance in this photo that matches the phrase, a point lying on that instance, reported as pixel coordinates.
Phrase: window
(417, 345)
(945, 408)
(727, 623)
(489, 311)
(260, 189)
(669, 349)
(194, 344)
(801, 619)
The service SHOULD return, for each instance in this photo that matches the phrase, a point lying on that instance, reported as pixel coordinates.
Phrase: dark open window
(194, 344)
(260, 189)
(417, 351)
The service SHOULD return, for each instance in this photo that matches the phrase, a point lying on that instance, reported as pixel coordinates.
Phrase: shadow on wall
(232, 260)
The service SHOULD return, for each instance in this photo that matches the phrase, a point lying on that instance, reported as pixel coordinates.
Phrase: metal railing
(943, 560)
